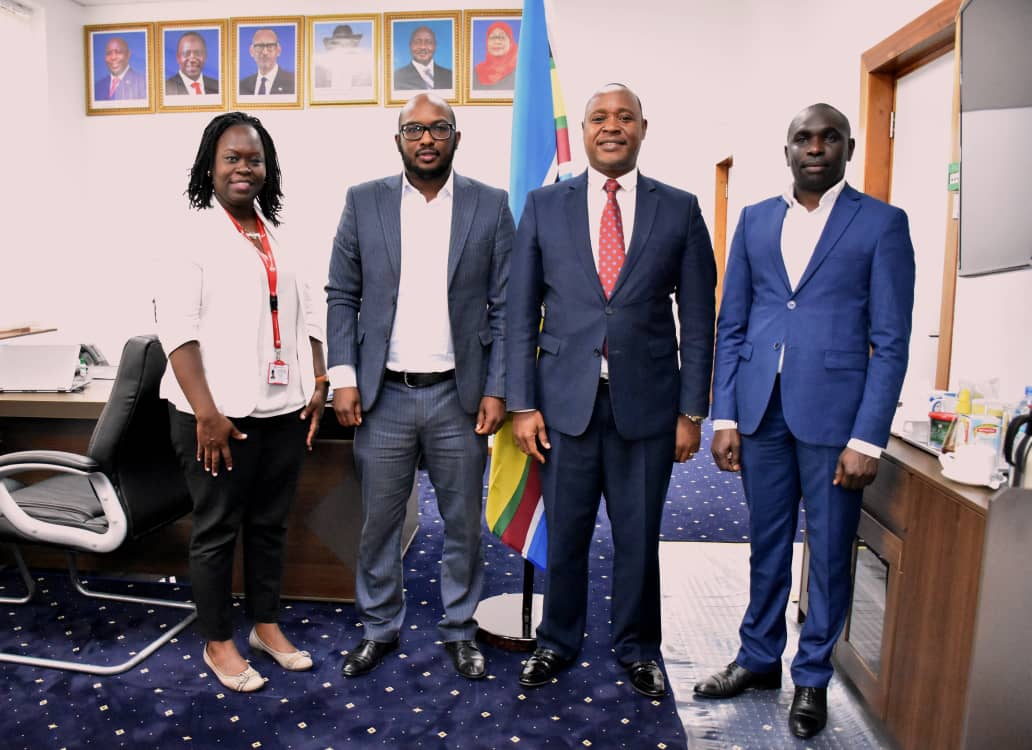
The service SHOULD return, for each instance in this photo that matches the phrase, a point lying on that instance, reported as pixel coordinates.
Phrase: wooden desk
(937, 643)
(322, 533)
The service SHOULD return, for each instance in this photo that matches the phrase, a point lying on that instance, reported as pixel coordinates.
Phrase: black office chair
(128, 485)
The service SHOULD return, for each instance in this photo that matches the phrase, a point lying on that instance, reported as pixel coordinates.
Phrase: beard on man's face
(427, 173)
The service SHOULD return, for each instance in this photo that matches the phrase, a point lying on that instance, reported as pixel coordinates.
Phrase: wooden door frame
(928, 37)
(720, 193)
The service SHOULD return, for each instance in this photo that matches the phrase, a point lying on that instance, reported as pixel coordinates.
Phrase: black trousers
(254, 498)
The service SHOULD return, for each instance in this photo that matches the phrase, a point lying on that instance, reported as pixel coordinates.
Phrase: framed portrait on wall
(192, 67)
(267, 55)
(422, 52)
(490, 40)
(344, 59)
(119, 68)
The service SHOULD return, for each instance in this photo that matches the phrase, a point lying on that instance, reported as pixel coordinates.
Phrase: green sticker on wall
(953, 177)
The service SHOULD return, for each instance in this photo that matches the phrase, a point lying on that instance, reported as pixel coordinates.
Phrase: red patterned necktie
(610, 240)
(196, 87)
(114, 85)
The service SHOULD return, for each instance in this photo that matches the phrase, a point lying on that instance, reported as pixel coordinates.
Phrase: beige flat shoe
(246, 682)
(293, 661)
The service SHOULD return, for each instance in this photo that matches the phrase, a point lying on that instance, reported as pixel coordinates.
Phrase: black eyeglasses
(439, 131)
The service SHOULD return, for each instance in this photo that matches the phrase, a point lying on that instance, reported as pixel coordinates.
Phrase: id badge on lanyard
(278, 370)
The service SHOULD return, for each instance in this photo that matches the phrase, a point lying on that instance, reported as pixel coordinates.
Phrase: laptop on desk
(40, 368)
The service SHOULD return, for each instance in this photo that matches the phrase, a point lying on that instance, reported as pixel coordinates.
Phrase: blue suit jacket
(364, 276)
(845, 329)
(670, 254)
(133, 86)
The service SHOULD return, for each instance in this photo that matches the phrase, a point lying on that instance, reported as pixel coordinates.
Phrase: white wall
(715, 78)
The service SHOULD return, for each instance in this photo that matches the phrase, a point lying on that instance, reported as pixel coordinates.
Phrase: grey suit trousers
(404, 424)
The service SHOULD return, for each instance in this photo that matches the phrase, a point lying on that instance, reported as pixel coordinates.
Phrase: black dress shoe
(809, 712)
(647, 678)
(366, 657)
(541, 667)
(735, 679)
(468, 660)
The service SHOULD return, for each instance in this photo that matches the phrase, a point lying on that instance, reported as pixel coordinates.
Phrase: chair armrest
(19, 461)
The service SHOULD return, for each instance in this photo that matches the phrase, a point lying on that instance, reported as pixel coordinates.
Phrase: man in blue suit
(812, 344)
(416, 334)
(122, 81)
(609, 404)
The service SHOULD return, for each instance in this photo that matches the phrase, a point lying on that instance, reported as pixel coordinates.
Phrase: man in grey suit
(191, 54)
(416, 334)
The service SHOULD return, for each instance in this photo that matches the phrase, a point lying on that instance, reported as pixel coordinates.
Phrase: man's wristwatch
(694, 419)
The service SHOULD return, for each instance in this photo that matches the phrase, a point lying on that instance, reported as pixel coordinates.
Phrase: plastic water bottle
(1025, 405)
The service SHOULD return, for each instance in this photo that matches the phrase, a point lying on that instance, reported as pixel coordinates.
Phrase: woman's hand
(213, 435)
(314, 411)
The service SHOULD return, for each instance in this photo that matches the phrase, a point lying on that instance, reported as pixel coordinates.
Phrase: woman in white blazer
(246, 387)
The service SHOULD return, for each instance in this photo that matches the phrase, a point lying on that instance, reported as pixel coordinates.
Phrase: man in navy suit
(422, 72)
(416, 311)
(611, 401)
(812, 345)
(122, 81)
(270, 78)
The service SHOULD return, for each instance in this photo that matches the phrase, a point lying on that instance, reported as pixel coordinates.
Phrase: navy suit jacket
(845, 328)
(365, 273)
(133, 86)
(283, 83)
(407, 77)
(669, 254)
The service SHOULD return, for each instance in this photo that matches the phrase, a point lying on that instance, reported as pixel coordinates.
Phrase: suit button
(791, 304)
(609, 311)
(777, 345)
(598, 353)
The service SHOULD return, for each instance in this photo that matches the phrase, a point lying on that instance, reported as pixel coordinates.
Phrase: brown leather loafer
(735, 679)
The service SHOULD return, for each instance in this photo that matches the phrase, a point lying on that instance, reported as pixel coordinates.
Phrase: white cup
(971, 463)
(917, 430)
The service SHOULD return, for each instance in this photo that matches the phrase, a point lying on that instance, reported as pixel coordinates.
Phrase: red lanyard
(270, 271)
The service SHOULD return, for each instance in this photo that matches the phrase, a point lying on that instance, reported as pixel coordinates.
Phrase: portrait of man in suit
(270, 78)
(416, 335)
(422, 71)
(605, 394)
(123, 81)
(812, 345)
(189, 79)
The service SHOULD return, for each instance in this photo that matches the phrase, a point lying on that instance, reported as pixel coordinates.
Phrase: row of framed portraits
(467, 57)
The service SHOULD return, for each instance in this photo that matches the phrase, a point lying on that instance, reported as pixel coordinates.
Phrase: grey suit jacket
(365, 273)
(407, 78)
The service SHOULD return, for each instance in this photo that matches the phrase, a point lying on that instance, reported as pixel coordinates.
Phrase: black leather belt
(603, 382)
(418, 379)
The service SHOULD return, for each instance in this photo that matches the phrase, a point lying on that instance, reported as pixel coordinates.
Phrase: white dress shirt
(799, 236)
(626, 198)
(426, 72)
(189, 84)
(421, 339)
(269, 78)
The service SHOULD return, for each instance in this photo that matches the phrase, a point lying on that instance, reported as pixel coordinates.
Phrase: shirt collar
(428, 68)
(446, 191)
(596, 180)
(189, 83)
(270, 76)
(827, 200)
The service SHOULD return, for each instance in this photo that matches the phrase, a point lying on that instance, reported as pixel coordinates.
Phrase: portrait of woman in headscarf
(497, 71)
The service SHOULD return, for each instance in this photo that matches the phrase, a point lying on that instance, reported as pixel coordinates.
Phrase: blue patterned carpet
(414, 700)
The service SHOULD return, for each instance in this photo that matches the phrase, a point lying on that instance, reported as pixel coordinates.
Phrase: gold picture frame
(344, 59)
(205, 90)
(490, 64)
(401, 79)
(122, 84)
(283, 40)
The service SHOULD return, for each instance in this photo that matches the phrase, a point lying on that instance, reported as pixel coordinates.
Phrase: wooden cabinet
(929, 586)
